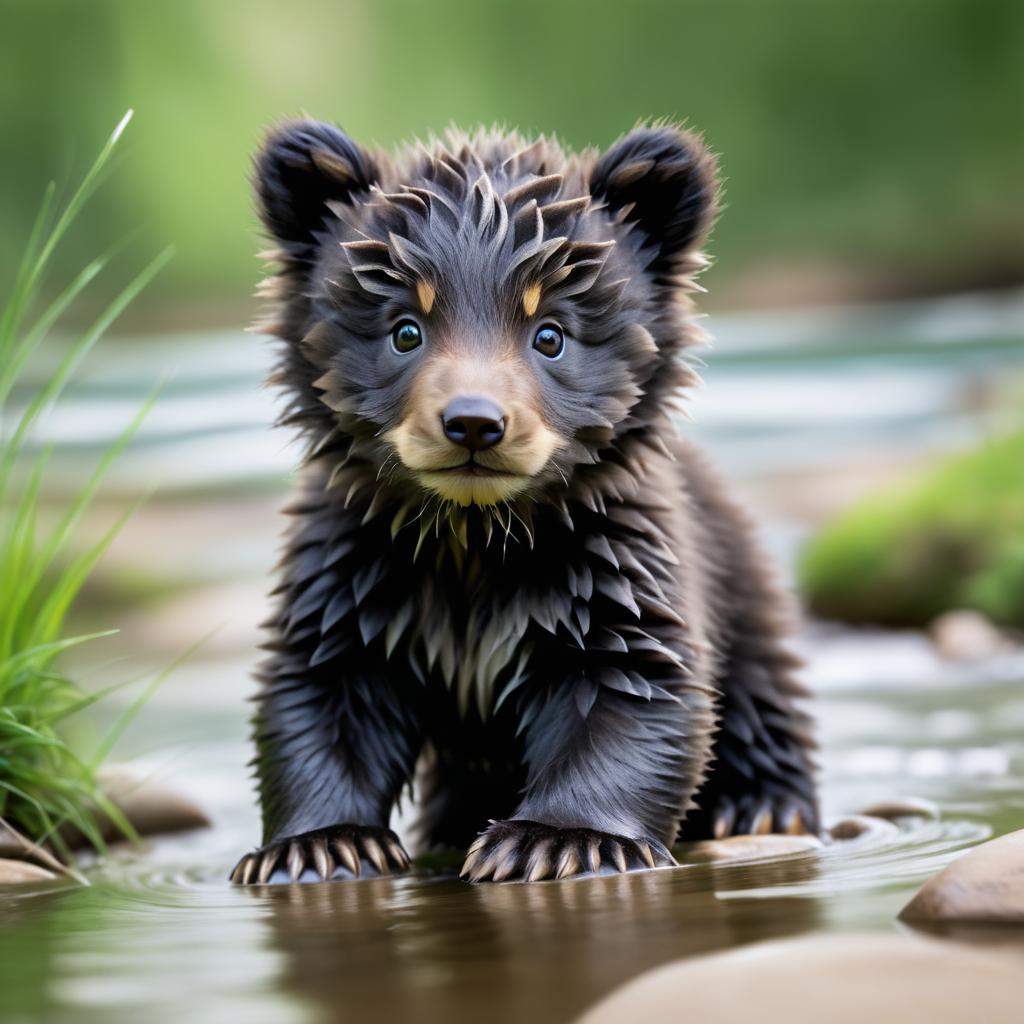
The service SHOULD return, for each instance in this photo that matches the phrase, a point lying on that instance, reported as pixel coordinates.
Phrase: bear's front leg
(606, 783)
(335, 748)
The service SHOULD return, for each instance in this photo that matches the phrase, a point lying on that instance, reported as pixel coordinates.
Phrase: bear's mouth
(473, 483)
(473, 468)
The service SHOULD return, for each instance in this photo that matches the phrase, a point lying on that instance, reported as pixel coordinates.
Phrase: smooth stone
(984, 886)
(856, 826)
(740, 848)
(841, 979)
(21, 872)
(10, 847)
(965, 635)
(151, 807)
(902, 807)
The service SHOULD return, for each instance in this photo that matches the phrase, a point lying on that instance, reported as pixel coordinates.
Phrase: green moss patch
(953, 538)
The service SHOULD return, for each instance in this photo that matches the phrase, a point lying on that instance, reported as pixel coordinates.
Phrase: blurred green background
(871, 149)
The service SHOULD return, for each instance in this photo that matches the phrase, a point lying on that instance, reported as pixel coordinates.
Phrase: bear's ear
(300, 167)
(669, 180)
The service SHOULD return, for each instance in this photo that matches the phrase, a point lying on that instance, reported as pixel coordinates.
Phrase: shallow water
(162, 936)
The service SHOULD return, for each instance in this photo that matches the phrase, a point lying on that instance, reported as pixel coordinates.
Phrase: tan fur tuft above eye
(531, 299)
(426, 294)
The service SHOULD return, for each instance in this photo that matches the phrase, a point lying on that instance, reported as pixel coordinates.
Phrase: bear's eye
(406, 336)
(549, 341)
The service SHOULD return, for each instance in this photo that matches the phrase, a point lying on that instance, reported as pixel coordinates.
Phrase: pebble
(965, 635)
(903, 807)
(743, 848)
(151, 807)
(984, 886)
(841, 979)
(20, 872)
(856, 826)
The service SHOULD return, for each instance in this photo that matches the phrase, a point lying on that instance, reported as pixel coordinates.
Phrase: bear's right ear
(666, 182)
(300, 167)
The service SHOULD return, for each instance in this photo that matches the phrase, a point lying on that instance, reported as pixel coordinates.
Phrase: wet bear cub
(506, 578)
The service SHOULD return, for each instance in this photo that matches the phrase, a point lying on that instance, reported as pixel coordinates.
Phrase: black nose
(474, 422)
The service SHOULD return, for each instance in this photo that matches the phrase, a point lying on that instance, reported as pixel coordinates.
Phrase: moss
(953, 538)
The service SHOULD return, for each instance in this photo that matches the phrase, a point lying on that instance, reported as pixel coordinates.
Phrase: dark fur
(570, 664)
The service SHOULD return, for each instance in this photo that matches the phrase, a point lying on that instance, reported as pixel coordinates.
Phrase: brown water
(162, 936)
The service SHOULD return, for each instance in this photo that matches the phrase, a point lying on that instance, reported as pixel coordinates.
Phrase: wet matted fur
(569, 631)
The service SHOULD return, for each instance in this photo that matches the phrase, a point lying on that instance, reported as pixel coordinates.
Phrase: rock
(9, 846)
(741, 848)
(152, 809)
(856, 826)
(20, 872)
(841, 979)
(966, 636)
(902, 807)
(984, 886)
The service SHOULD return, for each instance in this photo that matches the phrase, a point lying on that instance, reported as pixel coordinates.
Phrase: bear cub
(507, 579)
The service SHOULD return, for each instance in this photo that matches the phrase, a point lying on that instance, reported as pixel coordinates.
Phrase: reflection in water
(442, 950)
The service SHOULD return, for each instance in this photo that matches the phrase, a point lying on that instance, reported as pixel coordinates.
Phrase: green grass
(44, 783)
(953, 538)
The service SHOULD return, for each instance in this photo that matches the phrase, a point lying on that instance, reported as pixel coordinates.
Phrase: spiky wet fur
(577, 657)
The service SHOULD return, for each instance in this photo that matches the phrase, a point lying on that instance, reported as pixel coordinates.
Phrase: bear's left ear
(669, 179)
(301, 166)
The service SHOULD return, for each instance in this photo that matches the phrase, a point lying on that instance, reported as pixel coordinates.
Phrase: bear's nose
(474, 422)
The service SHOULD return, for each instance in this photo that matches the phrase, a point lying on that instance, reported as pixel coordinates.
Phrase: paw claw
(396, 854)
(345, 851)
(724, 821)
(793, 824)
(244, 870)
(296, 861)
(645, 853)
(321, 858)
(506, 860)
(568, 863)
(267, 864)
(375, 855)
(539, 864)
(504, 870)
(469, 865)
(618, 856)
(249, 871)
(762, 822)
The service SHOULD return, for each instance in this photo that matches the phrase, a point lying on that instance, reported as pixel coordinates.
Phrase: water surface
(161, 936)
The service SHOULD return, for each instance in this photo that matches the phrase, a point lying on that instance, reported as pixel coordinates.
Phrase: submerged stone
(857, 826)
(984, 886)
(21, 872)
(841, 979)
(902, 807)
(740, 848)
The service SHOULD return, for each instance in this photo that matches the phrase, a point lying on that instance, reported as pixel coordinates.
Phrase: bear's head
(479, 318)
